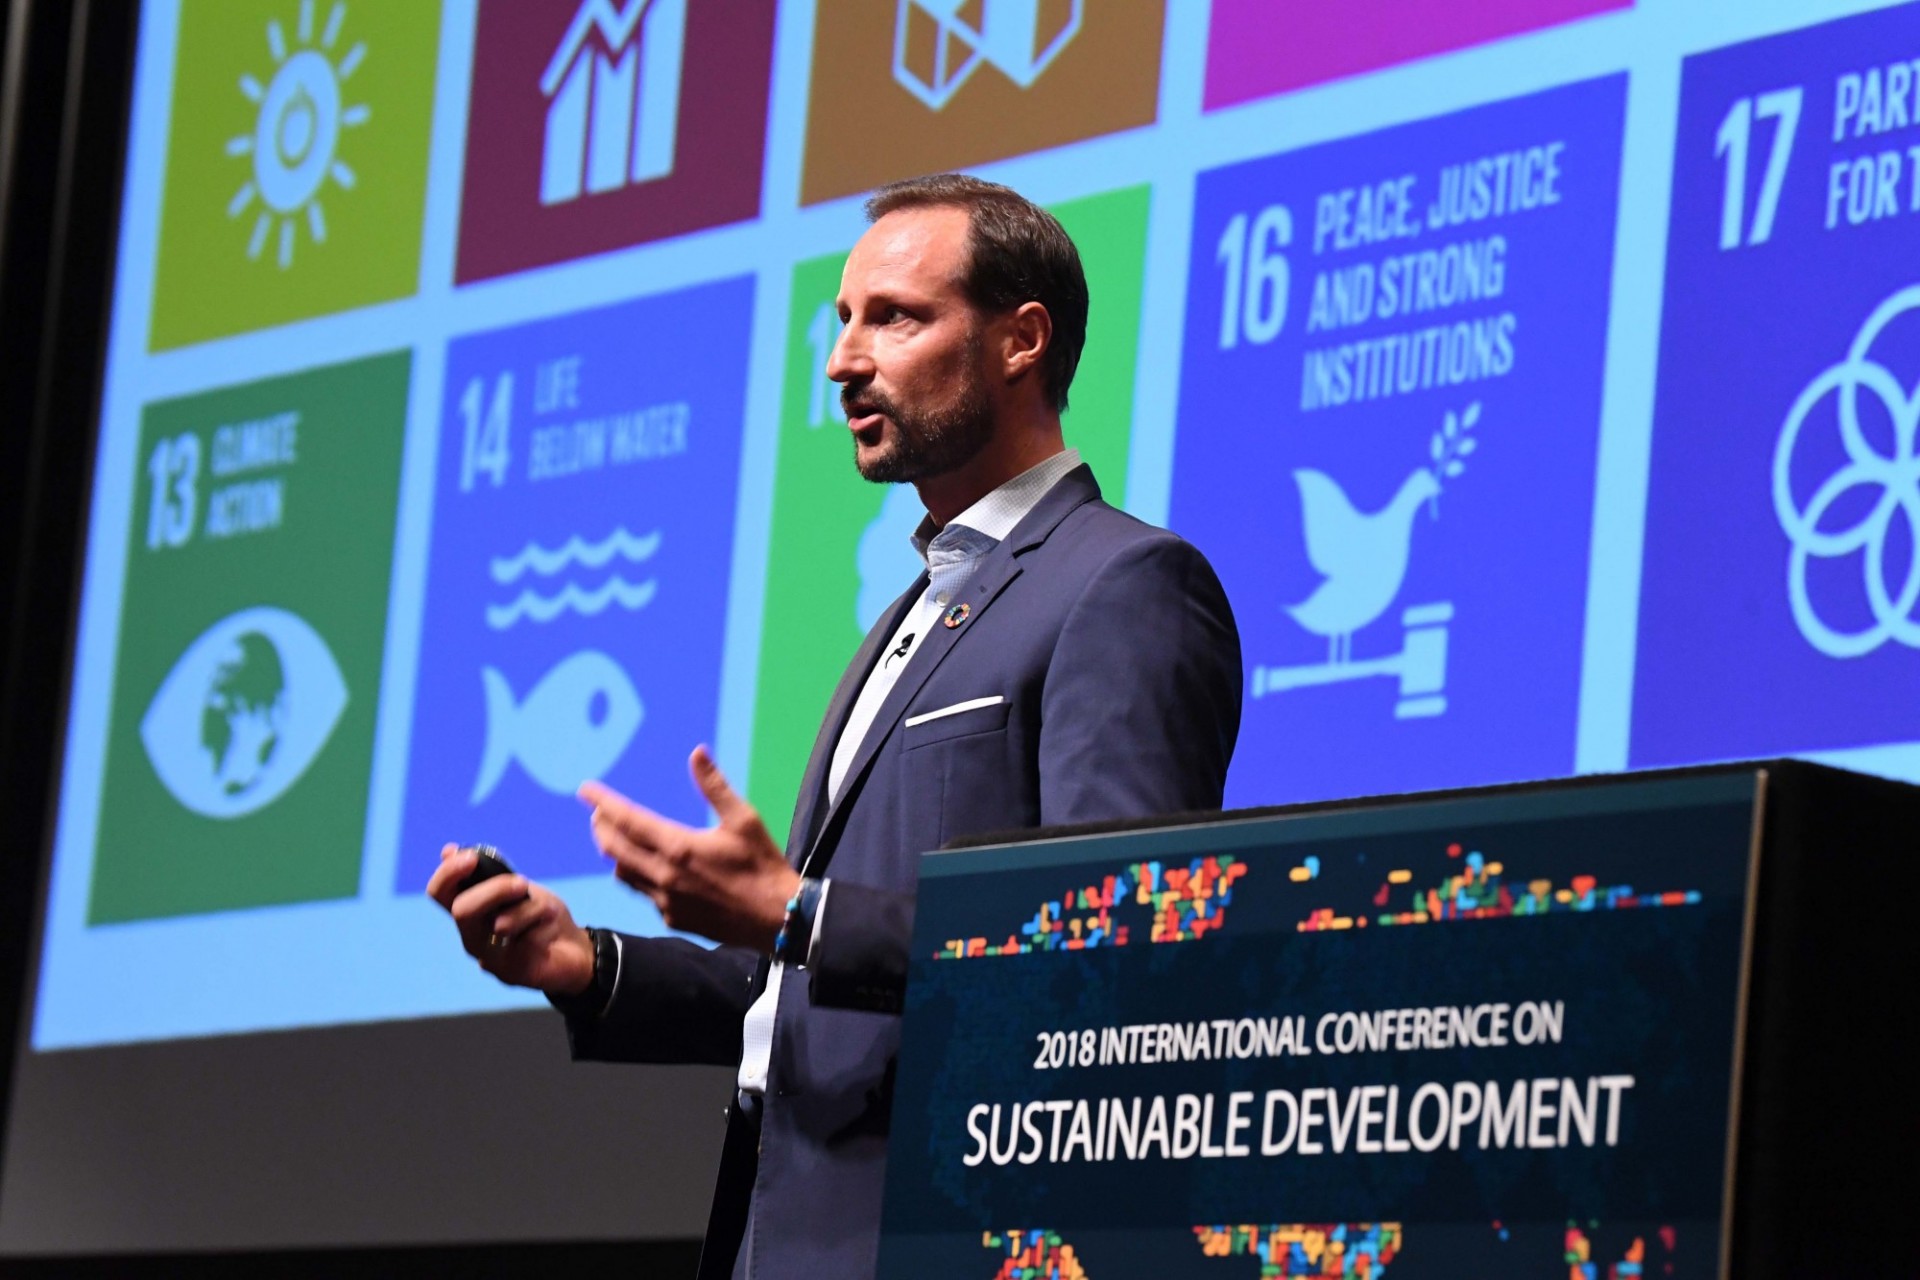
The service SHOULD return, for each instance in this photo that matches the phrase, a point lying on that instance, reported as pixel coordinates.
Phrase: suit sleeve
(1140, 710)
(1142, 700)
(674, 1002)
(860, 960)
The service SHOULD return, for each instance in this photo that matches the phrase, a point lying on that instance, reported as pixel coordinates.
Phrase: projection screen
(1536, 374)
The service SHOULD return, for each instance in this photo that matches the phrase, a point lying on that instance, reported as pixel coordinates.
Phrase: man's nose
(848, 359)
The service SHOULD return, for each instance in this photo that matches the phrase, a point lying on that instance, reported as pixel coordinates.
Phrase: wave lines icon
(532, 605)
(577, 550)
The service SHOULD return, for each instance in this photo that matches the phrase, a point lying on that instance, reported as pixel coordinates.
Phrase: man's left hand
(728, 882)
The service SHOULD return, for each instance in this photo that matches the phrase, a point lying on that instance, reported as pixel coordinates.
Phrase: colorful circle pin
(957, 615)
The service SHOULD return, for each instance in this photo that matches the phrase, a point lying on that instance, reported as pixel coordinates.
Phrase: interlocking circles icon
(1891, 479)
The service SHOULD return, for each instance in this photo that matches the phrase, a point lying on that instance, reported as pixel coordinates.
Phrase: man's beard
(925, 444)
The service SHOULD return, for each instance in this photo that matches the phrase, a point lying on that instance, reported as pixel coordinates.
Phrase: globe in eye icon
(243, 714)
(295, 139)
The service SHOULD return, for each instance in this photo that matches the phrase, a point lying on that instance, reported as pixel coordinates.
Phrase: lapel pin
(957, 615)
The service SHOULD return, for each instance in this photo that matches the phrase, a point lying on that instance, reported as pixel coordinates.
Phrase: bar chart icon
(613, 98)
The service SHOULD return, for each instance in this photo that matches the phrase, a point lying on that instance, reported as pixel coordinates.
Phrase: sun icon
(296, 133)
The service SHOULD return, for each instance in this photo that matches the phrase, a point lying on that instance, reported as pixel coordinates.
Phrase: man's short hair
(1017, 252)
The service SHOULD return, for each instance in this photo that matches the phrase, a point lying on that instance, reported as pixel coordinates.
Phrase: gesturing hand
(728, 882)
(519, 931)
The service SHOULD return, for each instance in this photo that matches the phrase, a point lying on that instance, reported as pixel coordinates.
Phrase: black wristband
(593, 1001)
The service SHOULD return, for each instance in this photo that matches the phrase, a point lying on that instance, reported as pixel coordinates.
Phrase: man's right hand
(520, 932)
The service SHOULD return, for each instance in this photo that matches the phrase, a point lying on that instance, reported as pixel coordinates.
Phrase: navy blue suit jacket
(1112, 647)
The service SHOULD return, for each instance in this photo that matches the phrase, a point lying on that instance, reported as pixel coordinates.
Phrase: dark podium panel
(1644, 1025)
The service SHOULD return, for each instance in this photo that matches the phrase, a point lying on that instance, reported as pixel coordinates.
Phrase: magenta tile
(1257, 48)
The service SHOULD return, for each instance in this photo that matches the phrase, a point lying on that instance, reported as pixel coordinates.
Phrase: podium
(1635, 1025)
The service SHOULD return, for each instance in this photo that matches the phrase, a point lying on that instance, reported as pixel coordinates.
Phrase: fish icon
(575, 723)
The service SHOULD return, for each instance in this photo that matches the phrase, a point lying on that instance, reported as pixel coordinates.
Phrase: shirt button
(942, 598)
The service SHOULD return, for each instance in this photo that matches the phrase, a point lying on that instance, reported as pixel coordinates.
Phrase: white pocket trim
(971, 704)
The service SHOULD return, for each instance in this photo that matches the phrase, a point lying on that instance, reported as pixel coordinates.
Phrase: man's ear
(1027, 333)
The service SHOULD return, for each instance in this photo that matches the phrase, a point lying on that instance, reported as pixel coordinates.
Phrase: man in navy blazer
(1059, 662)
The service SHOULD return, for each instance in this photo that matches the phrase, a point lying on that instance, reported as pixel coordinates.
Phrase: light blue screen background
(1616, 576)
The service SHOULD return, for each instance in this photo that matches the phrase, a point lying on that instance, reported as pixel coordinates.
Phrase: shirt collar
(996, 514)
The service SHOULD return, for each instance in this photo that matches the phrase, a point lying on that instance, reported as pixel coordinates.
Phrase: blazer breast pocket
(956, 776)
(955, 720)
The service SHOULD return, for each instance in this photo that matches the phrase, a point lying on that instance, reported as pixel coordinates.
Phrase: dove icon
(1363, 555)
(575, 724)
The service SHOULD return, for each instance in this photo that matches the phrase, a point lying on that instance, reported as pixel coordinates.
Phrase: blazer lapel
(810, 804)
(997, 569)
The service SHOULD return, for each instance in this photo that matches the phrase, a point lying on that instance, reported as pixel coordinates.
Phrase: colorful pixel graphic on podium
(1174, 903)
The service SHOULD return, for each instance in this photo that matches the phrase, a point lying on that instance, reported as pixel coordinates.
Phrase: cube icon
(969, 82)
(938, 44)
